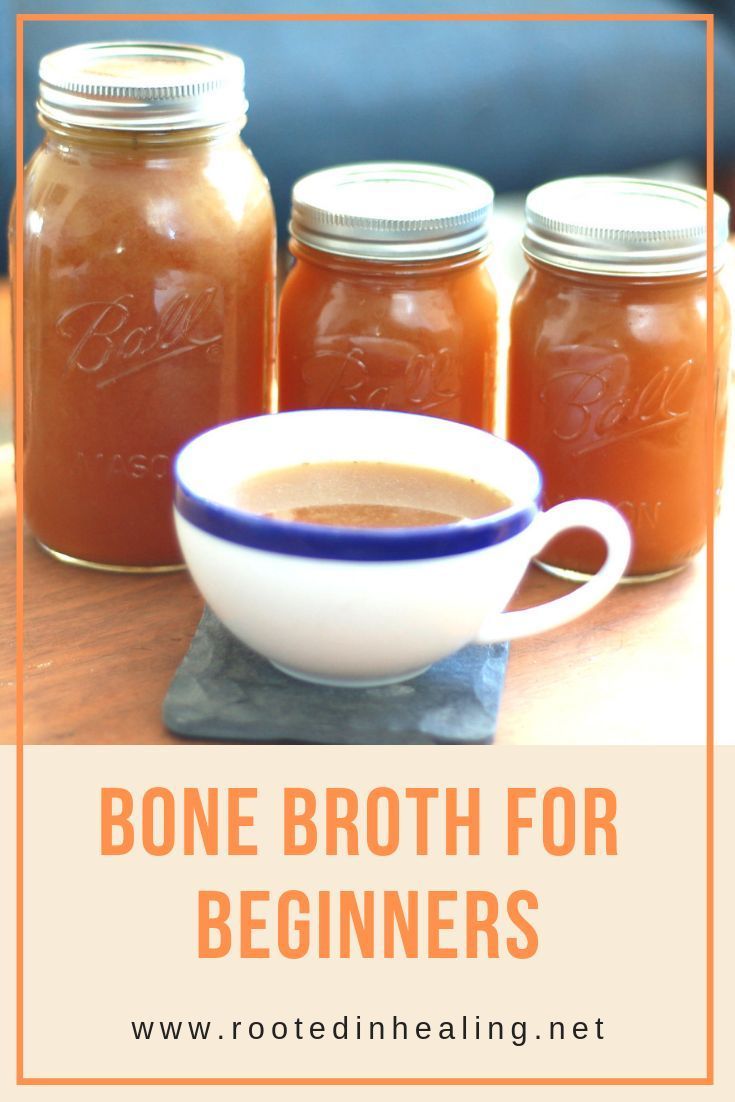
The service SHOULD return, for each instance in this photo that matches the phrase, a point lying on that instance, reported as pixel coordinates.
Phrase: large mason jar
(148, 284)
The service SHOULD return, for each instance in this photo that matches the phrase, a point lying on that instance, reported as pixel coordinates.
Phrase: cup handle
(598, 517)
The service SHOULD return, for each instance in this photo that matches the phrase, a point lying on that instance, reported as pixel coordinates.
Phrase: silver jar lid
(142, 86)
(393, 211)
(620, 226)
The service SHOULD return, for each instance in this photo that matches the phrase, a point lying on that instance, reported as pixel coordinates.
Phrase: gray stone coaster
(222, 690)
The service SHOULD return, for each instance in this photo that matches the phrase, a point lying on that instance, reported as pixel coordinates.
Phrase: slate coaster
(222, 690)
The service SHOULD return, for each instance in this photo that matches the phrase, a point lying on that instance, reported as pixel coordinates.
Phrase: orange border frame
(708, 19)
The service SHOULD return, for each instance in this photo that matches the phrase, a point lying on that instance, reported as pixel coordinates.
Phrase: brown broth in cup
(362, 494)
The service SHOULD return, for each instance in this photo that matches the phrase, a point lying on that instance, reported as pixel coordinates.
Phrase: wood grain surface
(100, 650)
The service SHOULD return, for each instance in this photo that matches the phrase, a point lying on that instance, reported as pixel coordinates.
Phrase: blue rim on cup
(318, 541)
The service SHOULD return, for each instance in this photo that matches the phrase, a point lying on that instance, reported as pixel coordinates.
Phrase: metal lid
(141, 86)
(392, 210)
(620, 226)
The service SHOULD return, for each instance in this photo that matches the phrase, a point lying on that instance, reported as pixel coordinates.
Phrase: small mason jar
(608, 378)
(149, 266)
(389, 304)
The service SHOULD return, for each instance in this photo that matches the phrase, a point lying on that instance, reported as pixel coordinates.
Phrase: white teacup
(360, 607)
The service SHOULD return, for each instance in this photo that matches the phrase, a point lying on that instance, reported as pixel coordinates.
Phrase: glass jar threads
(149, 266)
(390, 304)
(608, 378)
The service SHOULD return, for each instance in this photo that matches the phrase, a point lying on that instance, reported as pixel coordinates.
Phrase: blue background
(519, 103)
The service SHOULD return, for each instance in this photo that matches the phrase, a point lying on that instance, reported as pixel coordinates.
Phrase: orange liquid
(608, 393)
(149, 272)
(361, 494)
(417, 338)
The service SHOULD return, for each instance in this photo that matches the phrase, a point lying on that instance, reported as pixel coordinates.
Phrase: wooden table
(101, 649)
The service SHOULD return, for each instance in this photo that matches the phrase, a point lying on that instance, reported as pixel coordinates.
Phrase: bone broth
(390, 304)
(149, 260)
(368, 495)
(608, 382)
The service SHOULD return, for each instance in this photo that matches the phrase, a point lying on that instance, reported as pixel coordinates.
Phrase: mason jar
(148, 290)
(390, 304)
(609, 388)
